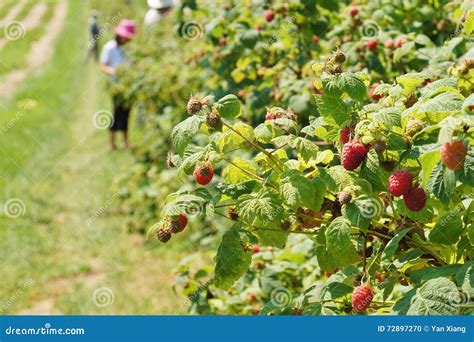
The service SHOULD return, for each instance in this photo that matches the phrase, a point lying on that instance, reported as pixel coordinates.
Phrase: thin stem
(247, 172)
(258, 147)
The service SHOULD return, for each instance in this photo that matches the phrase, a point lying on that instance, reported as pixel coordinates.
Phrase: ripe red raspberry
(372, 44)
(415, 199)
(389, 44)
(400, 41)
(183, 221)
(269, 15)
(345, 135)
(362, 297)
(353, 154)
(373, 96)
(203, 173)
(400, 182)
(259, 27)
(255, 249)
(453, 155)
(315, 39)
(353, 11)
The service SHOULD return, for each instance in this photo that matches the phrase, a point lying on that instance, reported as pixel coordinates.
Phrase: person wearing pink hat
(111, 57)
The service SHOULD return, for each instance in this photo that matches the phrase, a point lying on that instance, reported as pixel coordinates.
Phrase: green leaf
(390, 117)
(229, 107)
(428, 162)
(352, 85)
(466, 173)
(334, 110)
(236, 190)
(392, 245)
(448, 229)
(298, 191)
(371, 171)
(435, 297)
(339, 244)
(441, 183)
(230, 140)
(231, 260)
(272, 238)
(261, 209)
(234, 175)
(362, 210)
(306, 148)
(428, 273)
(441, 106)
(184, 132)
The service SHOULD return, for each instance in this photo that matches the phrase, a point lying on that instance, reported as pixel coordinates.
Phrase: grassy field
(68, 252)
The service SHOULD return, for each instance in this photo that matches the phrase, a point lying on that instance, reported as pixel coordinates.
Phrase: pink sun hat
(126, 28)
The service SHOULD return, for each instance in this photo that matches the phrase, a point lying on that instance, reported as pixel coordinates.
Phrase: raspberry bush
(324, 176)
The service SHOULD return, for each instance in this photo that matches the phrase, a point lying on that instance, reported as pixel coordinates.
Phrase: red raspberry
(362, 297)
(453, 155)
(183, 221)
(389, 43)
(345, 135)
(400, 182)
(255, 249)
(353, 11)
(315, 39)
(400, 41)
(353, 154)
(415, 199)
(373, 96)
(269, 15)
(203, 173)
(372, 44)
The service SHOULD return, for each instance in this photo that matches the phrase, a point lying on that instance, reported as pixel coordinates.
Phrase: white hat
(159, 4)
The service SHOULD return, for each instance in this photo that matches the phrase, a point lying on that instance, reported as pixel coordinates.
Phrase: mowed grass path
(63, 246)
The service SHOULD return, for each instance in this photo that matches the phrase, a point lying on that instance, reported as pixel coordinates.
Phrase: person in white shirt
(158, 8)
(111, 57)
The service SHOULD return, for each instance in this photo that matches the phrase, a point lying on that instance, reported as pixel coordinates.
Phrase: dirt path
(12, 14)
(41, 51)
(32, 21)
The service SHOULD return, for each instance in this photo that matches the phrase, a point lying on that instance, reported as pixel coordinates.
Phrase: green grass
(57, 163)
(6, 7)
(14, 53)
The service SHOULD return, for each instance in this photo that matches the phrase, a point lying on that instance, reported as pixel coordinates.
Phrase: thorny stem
(258, 147)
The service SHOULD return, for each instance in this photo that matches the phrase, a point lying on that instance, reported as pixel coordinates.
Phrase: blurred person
(94, 32)
(112, 57)
(157, 9)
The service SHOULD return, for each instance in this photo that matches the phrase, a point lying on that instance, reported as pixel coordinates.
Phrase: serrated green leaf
(184, 132)
(234, 175)
(435, 297)
(339, 244)
(448, 229)
(231, 260)
(392, 245)
(306, 148)
(298, 191)
(352, 85)
(230, 140)
(441, 183)
(261, 209)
